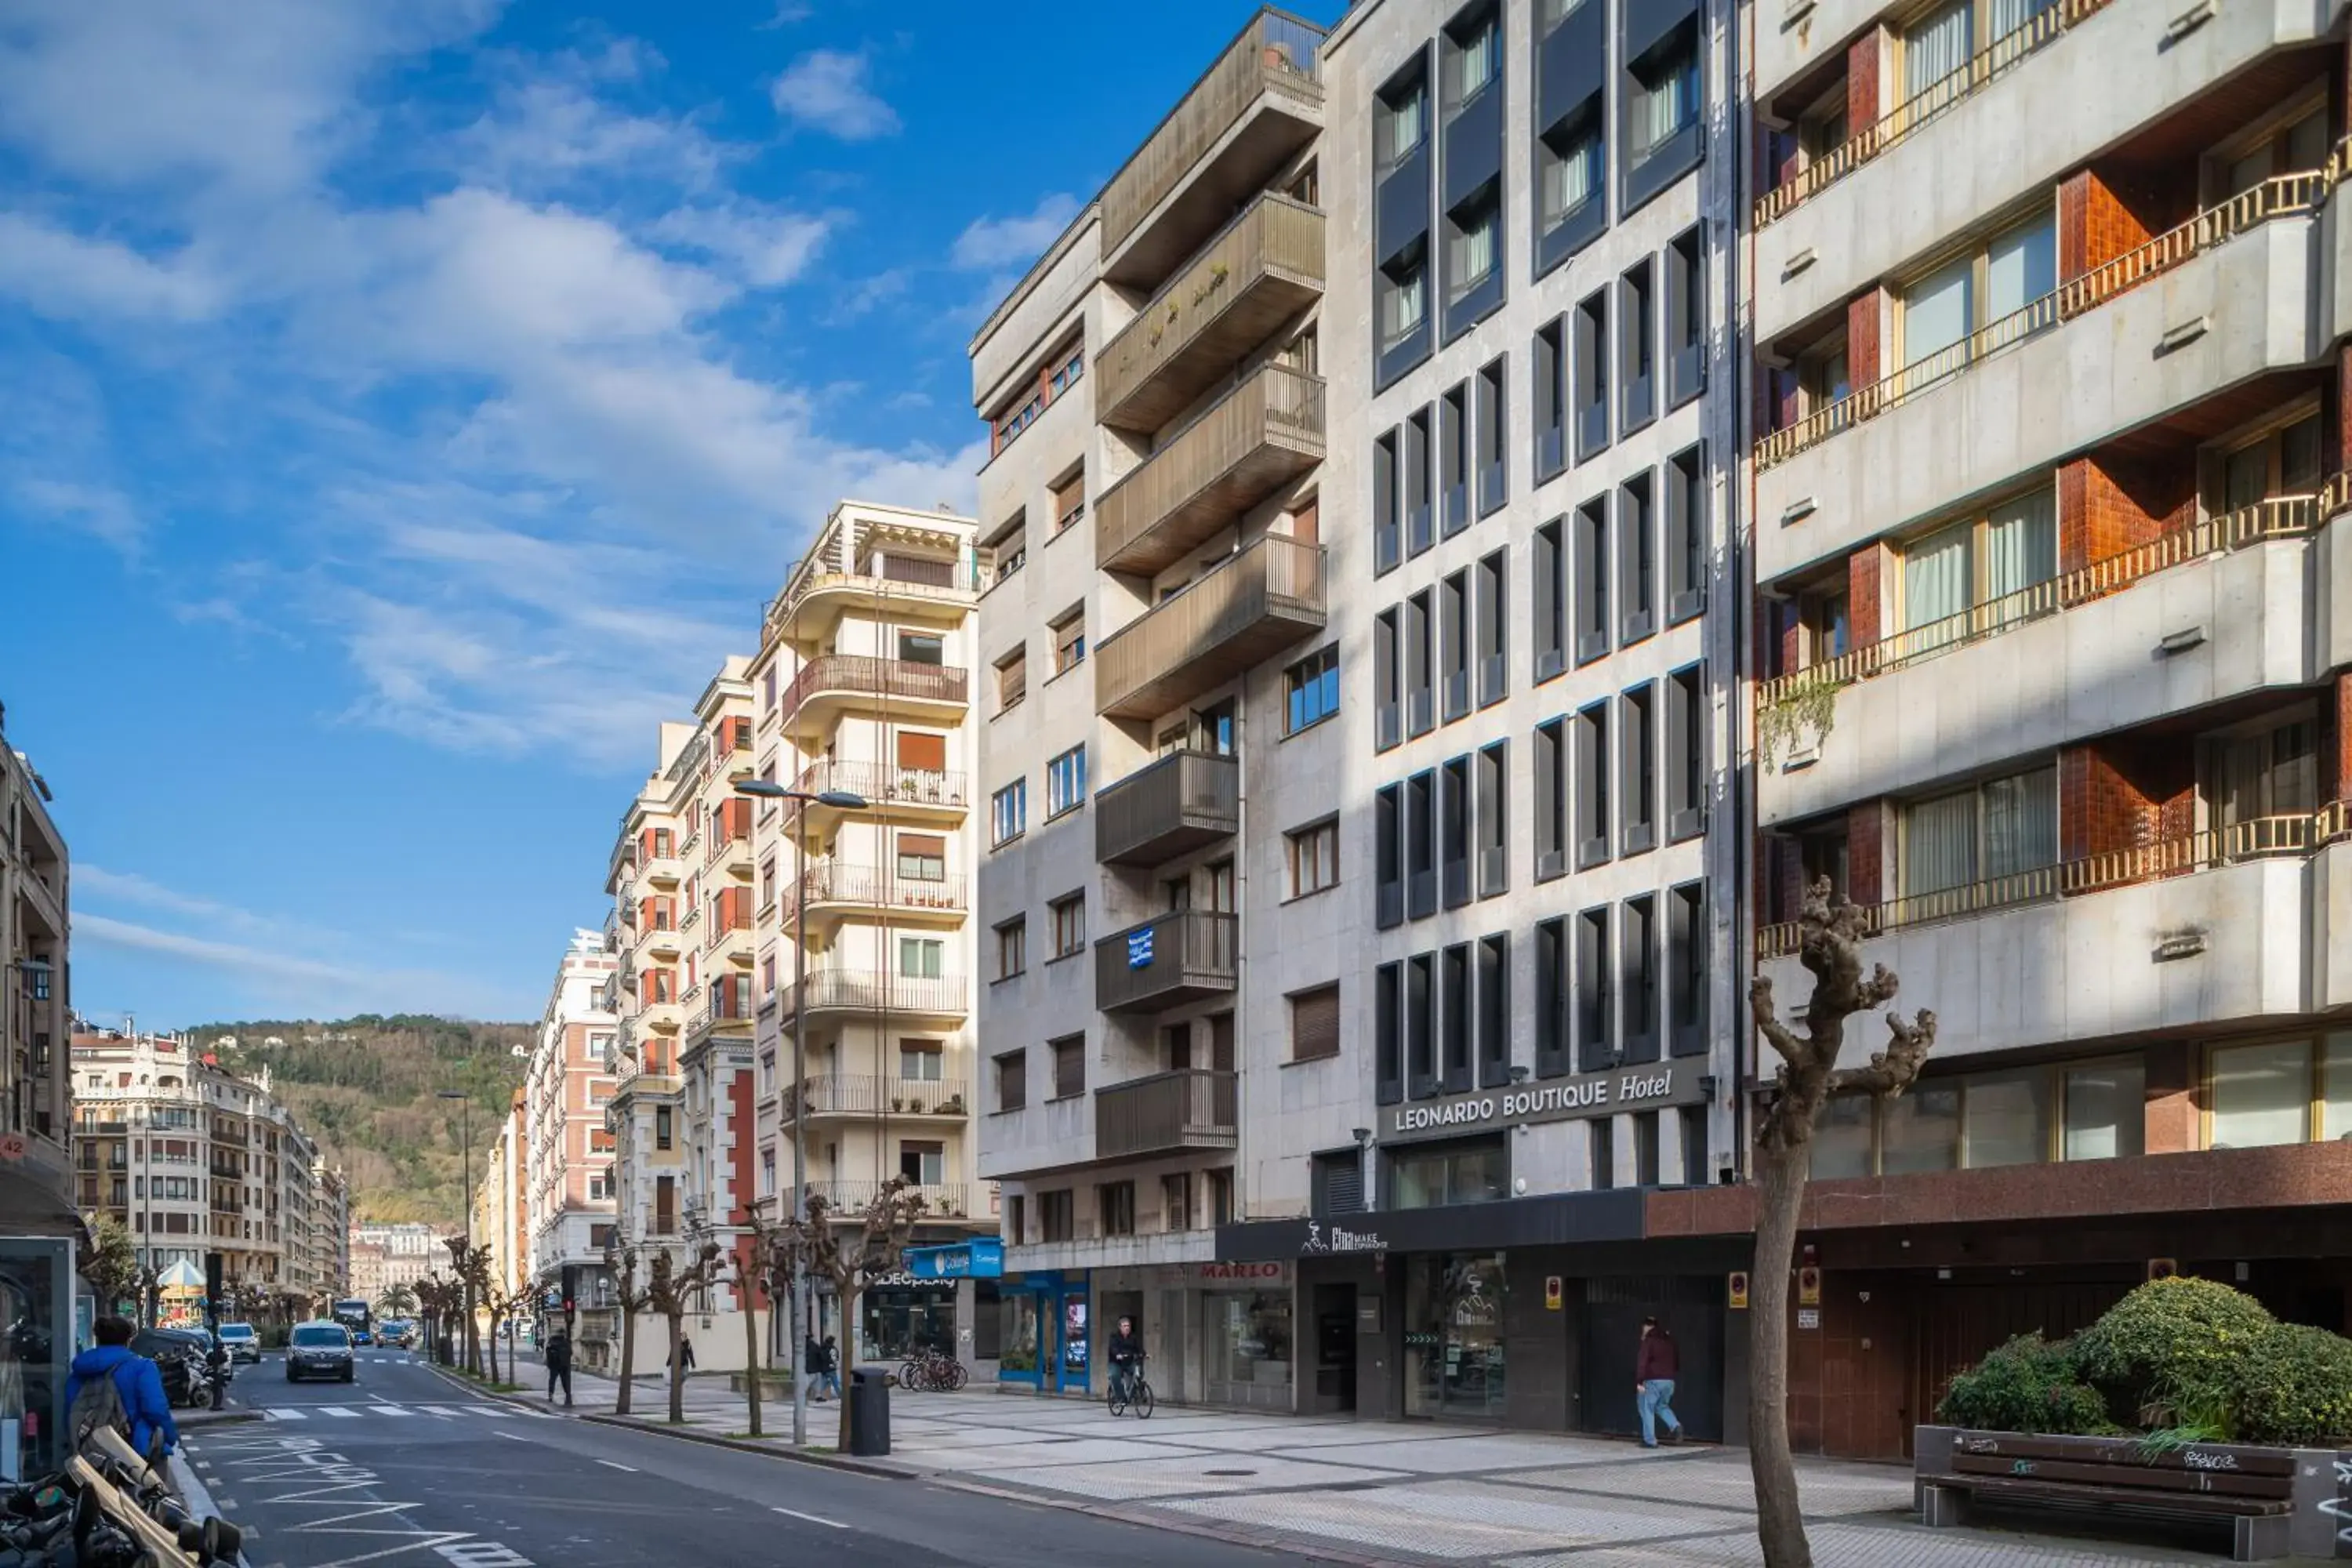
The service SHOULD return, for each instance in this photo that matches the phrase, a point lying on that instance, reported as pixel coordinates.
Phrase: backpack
(99, 1402)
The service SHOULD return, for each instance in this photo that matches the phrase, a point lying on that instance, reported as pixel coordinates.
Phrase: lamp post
(841, 800)
(466, 1197)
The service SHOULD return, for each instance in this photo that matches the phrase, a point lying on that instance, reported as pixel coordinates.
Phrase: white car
(241, 1342)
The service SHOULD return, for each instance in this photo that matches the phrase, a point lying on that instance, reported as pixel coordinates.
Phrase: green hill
(368, 1090)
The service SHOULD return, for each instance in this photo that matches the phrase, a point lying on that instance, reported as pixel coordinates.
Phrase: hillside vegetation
(368, 1090)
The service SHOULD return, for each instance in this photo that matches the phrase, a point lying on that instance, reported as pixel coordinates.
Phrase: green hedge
(2029, 1384)
(2168, 1353)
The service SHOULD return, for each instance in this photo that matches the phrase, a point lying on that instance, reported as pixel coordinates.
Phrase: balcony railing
(1265, 268)
(870, 677)
(1271, 66)
(1262, 435)
(2287, 195)
(847, 1201)
(883, 784)
(1168, 808)
(879, 886)
(1254, 603)
(863, 1094)
(1190, 1108)
(912, 578)
(1989, 64)
(1188, 955)
(2261, 837)
(878, 991)
(2280, 516)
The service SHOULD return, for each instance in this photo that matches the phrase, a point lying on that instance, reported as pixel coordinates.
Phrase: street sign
(1737, 1281)
(1808, 1286)
(1808, 1317)
(1551, 1292)
(1139, 948)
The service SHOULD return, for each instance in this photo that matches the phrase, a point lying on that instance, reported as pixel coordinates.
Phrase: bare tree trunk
(751, 1354)
(628, 1356)
(1780, 1512)
(677, 1370)
(847, 1296)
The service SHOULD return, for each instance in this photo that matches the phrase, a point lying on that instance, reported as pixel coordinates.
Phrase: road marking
(812, 1519)
(275, 1413)
(512, 1437)
(616, 1464)
(337, 1410)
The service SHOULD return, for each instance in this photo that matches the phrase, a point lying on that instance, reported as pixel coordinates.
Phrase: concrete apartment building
(1162, 778)
(500, 1210)
(863, 685)
(2049, 313)
(36, 1099)
(382, 1256)
(567, 1177)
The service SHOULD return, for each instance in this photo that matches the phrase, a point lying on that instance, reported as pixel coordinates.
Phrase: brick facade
(2108, 504)
(2119, 793)
(1862, 316)
(1862, 59)
(1869, 579)
(1866, 852)
(2107, 213)
(2342, 750)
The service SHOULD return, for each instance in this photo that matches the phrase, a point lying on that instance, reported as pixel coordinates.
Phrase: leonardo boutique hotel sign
(1593, 1094)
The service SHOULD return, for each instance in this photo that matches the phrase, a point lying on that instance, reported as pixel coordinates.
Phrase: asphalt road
(403, 1470)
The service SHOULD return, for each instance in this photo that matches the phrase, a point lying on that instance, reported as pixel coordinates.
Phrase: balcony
(1169, 807)
(1249, 114)
(927, 573)
(881, 993)
(1265, 268)
(1261, 435)
(1188, 955)
(1253, 604)
(916, 693)
(863, 1094)
(1166, 1112)
(904, 791)
(834, 889)
(847, 1201)
(663, 869)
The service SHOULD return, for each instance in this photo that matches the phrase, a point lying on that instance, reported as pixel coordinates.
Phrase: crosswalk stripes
(443, 1412)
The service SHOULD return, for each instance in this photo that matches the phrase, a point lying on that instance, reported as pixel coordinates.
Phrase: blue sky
(403, 406)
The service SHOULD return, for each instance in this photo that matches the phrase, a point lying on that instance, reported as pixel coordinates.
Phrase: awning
(982, 1258)
(181, 1276)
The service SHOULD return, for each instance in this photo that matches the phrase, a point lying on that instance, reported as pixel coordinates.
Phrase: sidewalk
(1389, 1492)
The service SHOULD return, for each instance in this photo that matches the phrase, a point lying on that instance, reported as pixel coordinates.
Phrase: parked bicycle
(929, 1371)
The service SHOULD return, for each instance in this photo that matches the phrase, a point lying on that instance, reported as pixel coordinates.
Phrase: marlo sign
(1593, 1094)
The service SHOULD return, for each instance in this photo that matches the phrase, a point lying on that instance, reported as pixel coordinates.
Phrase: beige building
(567, 1179)
(35, 975)
(383, 1255)
(498, 1207)
(863, 685)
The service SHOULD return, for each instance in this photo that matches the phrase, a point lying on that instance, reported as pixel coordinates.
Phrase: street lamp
(839, 800)
(466, 1198)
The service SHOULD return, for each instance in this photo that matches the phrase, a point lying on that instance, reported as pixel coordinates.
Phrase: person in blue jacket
(139, 1381)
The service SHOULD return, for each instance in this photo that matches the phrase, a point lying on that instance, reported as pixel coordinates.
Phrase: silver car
(319, 1350)
(241, 1342)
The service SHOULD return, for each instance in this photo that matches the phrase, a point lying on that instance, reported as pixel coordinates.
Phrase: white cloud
(131, 888)
(99, 511)
(825, 89)
(764, 248)
(304, 986)
(997, 242)
(62, 274)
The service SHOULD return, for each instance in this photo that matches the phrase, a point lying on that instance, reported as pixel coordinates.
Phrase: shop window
(1437, 1177)
(1247, 1340)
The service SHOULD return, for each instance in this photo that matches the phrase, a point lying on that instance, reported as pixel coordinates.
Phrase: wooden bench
(2256, 1489)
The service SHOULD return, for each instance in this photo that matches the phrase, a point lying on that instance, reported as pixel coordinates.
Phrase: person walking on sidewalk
(829, 1365)
(559, 1364)
(686, 1353)
(812, 1366)
(1653, 1382)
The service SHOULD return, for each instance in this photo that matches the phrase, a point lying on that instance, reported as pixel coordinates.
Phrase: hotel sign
(1646, 1088)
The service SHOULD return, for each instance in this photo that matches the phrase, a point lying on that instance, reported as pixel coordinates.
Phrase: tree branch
(1892, 1070)
(1768, 1022)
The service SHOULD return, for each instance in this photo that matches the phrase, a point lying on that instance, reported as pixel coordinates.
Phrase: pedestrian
(686, 1353)
(1653, 1382)
(812, 1365)
(137, 1408)
(830, 1369)
(559, 1364)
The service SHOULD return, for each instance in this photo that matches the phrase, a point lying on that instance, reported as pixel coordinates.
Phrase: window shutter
(929, 753)
(1314, 1024)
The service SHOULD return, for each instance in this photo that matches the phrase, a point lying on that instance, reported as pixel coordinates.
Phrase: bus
(355, 1315)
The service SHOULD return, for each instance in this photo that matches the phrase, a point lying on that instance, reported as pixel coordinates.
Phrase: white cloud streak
(998, 242)
(304, 986)
(827, 90)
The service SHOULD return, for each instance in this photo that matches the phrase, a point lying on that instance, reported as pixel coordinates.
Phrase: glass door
(1453, 1337)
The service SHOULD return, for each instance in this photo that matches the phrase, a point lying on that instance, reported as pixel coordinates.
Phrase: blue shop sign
(982, 1258)
(1139, 948)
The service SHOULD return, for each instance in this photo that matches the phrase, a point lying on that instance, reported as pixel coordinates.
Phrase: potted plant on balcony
(951, 1106)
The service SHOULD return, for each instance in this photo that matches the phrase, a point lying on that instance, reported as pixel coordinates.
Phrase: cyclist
(1126, 1358)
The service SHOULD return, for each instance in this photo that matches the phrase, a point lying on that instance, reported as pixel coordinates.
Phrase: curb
(204, 1420)
(746, 1446)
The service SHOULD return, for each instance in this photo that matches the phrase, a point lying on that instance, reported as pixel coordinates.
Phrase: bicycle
(1130, 1391)
(929, 1371)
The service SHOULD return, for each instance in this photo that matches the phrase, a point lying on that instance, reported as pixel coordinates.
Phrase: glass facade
(1453, 1336)
(1246, 1337)
(898, 1321)
(1455, 1174)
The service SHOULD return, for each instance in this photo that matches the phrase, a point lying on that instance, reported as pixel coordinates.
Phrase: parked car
(243, 1343)
(320, 1349)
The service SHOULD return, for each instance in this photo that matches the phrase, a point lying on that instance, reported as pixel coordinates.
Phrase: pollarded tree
(1829, 948)
(672, 1291)
(823, 1238)
(634, 1298)
(111, 1263)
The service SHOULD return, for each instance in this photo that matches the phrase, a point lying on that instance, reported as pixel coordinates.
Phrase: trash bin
(869, 1411)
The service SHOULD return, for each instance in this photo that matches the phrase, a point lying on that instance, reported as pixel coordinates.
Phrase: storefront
(974, 1271)
(901, 1315)
(1214, 1333)
(1047, 1330)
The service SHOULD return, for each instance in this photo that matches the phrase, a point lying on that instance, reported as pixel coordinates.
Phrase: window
(1973, 575)
(1454, 1041)
(1453, 831)
(1637, 750)
(1066, 370)
(1069, 501)
(1590, 376)
(1596, 1042)
(1010, 544)
(1638, 965)
(665, 1204)
(2293, 144)
(2284, 460)
(1637, 346)
(1314, 854)
(1420, 707)
(2104, 1112)
(1453, 460)
(1176, 1201)
(1402, 287)
(1473, 56)
(1065, 781)
(1312, 690)
(1012, 680)
(1492, 469)
(1070, 640)
(1601, 1141)
(1473, 240)
(922, 857)
(1637, 561)
(1685, 496)
(1070, 1066)
(1685, 334)
(1954, 844)
(1314, 1024)
(920, 1061)
(1420, 1024)
(1568, 176)
(1664, 100)
(1011, 947)
(1069, 916)
(921, 957)
(1388, 505)
(1549, 381)
(1691, 1125)
(1418, 535)
(1493, 1010)
(922, 647)
(1490, 817)
(1982, 301)
(1592, 579)
(1387, 847)
(1453, 646)
(1645, 1148)
(1493, 630)
(1221, 1197)
(1550, 807)
(1590, 794)
(665, 1127)
(1686, 765)
(1012, 1080)
(1400, 117)
(1388, 1033)
(1009, 813)
(1387, 716)
(1056, 1216)
(2266, 768)
(1549, 595)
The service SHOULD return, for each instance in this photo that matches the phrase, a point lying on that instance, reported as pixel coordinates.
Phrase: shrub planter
(2277, 1501)
(777, 1382)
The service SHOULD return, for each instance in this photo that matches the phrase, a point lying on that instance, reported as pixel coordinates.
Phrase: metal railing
(1181, 796)
(847, 1201)
(1192, 1107)
(1923, 107)
(873, 677)
(2279, 517)
(2287, 195)
(864, 1094)
(1179, 494)
(880, 887)
(2261, 837)
(1275, 579)
(1187, 952)
(885, 783)
(879, 991)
